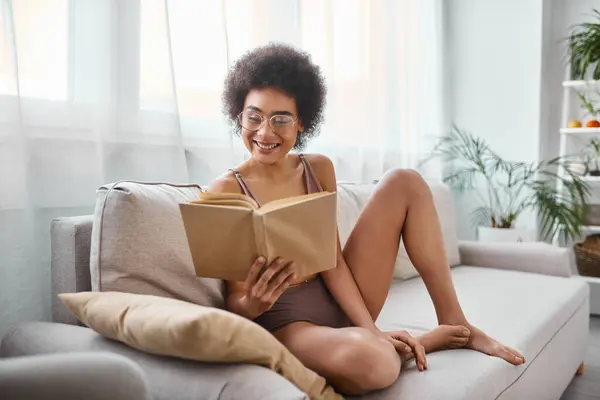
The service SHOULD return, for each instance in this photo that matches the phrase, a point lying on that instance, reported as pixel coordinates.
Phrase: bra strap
(312, 183)
(243, 185)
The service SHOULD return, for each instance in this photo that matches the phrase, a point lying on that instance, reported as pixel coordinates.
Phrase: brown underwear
(309, 302)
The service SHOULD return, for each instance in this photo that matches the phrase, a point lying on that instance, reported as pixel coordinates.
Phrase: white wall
(494, 80)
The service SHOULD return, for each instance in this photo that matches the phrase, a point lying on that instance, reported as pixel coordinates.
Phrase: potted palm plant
(584, 48)
(512, 188)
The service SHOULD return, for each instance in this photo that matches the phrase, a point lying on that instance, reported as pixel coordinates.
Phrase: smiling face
(270, 124)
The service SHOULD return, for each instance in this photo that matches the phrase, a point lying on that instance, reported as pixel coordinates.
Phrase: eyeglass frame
(294, 120)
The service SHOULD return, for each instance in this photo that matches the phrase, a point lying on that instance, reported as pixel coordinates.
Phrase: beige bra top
(310, 180)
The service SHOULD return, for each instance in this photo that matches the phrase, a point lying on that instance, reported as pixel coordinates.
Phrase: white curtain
(95, 91)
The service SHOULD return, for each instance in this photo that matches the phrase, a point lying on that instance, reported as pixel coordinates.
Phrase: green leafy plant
(588, 104)
(511, 188)
(584, 48)
(593, 156)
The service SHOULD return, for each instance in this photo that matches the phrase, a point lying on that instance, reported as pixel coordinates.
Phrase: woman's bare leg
(353, 360)
(402, 205)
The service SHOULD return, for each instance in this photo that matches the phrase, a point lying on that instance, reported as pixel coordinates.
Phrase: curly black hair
(286, 68)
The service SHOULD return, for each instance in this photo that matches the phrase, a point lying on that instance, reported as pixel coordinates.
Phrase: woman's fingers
(261, 286)
(254, 273)
(417, 349)
(284, 277)
(401, 347)
(419, 352)
(421, 358)
(282, 287)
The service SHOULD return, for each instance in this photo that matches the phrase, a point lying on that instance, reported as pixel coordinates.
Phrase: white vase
(497, 235)
(577, 168)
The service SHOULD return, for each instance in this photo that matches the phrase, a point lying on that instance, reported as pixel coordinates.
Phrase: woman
(275, 96)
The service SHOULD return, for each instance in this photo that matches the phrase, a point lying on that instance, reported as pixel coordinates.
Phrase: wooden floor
(587, 386)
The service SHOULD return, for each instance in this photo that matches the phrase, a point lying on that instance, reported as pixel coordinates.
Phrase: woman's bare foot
(482, 342)
(445, 337)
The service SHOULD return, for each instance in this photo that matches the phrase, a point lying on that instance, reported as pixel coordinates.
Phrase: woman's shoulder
(226, 183)
(323, 168)
(318, 161)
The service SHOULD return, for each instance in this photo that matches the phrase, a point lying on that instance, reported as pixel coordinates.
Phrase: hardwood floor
(587, 386)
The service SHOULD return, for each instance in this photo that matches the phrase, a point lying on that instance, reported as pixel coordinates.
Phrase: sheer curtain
(95, 91)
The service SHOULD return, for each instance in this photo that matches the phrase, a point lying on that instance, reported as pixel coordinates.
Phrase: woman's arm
(340, 280)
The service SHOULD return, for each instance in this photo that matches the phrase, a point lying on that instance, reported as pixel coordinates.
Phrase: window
(183, 61)
(337, 34)
(41, 40)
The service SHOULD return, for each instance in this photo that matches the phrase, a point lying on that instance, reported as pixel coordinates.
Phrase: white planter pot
(577, 167)
(495, 235)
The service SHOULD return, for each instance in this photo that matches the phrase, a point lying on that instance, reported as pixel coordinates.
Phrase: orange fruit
(593, 123)
(574, 124)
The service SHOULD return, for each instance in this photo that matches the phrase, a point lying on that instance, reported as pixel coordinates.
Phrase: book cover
(226, 232)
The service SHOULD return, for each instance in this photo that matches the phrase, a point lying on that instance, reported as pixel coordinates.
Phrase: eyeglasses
(253, 121)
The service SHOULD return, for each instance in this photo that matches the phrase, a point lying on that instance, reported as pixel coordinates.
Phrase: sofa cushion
(163, 326)
(352, 197)
(522, 310)
(139, 244)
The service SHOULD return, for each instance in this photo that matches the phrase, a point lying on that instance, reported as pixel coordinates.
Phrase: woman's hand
(407, 347)
(483, 343)
(263, 286)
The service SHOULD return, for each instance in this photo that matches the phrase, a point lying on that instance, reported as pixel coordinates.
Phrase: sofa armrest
(167, 378)
(72, 376)
(535, 257)
(70, 239)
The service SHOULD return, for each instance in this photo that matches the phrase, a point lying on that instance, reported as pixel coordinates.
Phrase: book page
(226, 199)
(224, 203)
(305, 233)
(259, 236)
(289, 201)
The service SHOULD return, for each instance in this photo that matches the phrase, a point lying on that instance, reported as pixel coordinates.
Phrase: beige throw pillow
(176, 328)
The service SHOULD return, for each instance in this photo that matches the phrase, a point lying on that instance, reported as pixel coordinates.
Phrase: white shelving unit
(581, 136)
(581, 132)
(582, 85)
(592, 181)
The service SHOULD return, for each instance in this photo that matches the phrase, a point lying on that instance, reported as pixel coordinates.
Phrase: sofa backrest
(135, 242)
(139, 243)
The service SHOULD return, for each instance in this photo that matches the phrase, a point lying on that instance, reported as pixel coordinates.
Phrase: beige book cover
(226, 232)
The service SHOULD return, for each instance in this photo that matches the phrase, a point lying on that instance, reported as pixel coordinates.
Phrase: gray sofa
(522, 294)
(72, 376)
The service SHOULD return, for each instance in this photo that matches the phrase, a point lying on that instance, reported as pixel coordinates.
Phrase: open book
(226, 232)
